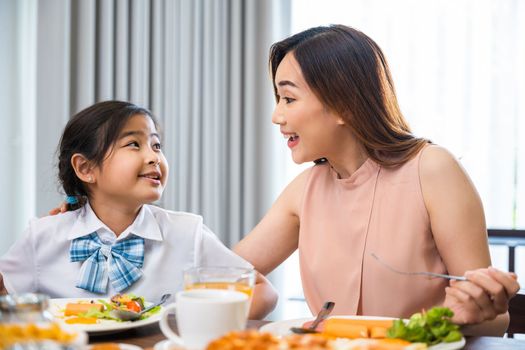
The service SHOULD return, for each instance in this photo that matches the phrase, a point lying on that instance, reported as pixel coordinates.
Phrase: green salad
(126, 302)
(430, 327)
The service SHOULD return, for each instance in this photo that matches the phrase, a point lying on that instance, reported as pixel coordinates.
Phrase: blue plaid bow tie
(125, 260)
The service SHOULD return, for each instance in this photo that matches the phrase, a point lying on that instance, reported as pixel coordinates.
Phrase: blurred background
(201, 67)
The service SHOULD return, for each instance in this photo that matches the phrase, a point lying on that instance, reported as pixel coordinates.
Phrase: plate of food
(431, 330)
(101, 315)
(54, 332)
(281, 328)
(112, 346)
(252, 339)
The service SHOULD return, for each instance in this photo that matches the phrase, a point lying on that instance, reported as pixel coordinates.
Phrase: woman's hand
(264, 298)
(482, 297)
(61, 209)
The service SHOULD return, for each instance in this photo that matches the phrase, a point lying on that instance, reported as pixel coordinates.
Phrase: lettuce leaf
(431, 327)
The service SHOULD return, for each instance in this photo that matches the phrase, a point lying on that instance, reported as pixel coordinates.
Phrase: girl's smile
(153, 177)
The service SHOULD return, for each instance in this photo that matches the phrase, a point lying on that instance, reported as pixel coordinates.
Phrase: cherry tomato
(133, 306)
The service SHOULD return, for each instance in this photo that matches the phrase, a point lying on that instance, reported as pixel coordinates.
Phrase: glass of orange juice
(232, 278)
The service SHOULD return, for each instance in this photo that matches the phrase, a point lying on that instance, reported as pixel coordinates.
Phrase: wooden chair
(517, 314)
(512, 239)
(509, 238)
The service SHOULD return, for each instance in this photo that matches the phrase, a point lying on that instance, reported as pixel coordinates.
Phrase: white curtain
(17, 119)
(200, 66)
(217, 85)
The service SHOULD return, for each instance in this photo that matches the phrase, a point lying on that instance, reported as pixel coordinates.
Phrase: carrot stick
(336, 329)
(356, 328)
(361, 322)
(75, 309)
(378, 332)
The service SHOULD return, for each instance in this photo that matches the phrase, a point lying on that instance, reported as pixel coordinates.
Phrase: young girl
(376, 189)
(111, 165)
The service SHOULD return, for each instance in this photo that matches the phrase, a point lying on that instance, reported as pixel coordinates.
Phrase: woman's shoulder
(441, 173)
(291, 198)
(435, 159)
(297, 185)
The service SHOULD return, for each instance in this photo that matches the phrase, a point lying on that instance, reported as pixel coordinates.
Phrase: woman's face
(311, 129)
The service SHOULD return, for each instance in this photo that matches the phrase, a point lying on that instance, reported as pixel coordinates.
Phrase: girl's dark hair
(349, 74)
(92, 132)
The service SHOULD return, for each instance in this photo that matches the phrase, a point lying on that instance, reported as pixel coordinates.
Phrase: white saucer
(167, 344)
(122, 346)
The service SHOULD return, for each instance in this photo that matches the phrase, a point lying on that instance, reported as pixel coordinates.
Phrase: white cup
(205, 314)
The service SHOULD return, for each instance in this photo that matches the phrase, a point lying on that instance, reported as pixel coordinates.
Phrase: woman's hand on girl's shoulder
(482, 297)
(3, 290)
(59, 210)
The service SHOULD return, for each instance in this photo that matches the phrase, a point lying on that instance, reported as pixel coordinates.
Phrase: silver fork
(422, 273)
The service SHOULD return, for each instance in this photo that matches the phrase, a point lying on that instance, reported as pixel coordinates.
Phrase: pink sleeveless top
(377, 210)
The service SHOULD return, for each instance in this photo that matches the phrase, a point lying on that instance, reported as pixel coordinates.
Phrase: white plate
(167, 344)
(122, 346)
(57, 306)
(81, 338)
(281, 328)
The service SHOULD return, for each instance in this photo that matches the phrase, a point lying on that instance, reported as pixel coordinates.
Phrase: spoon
(325, 311)
(126, 315)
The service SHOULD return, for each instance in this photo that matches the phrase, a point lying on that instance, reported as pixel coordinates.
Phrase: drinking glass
(216, 277)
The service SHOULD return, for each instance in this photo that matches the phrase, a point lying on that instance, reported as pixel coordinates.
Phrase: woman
(375, 189)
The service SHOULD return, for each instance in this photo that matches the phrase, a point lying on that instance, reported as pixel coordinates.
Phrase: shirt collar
(145, 225)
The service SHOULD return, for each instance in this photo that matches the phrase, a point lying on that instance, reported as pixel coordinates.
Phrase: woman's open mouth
(293, 141)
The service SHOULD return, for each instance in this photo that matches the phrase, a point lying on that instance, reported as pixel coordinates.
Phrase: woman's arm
(458, 225)
(276, 237)
(271, 242)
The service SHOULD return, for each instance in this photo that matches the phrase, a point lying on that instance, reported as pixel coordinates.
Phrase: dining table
(147, 336)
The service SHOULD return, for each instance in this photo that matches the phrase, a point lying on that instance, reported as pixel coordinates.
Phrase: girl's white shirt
(174, 241)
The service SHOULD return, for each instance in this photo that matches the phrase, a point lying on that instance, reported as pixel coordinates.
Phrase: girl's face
(311, 129)
(135, 170)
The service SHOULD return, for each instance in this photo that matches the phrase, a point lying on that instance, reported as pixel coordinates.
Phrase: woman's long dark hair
(348, 73)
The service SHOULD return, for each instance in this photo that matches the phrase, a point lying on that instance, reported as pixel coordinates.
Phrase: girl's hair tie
(71, 200)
